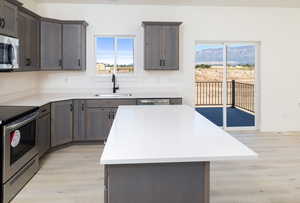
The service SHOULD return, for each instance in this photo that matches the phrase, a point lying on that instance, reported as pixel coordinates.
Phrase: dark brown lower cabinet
(99, 122)
(93, 118)
(79, 125)
(86, 120)
(61, 122)
(43, 133)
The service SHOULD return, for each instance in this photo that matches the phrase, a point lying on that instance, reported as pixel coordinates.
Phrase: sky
(105, 50)
(201, 47)
(236, 54)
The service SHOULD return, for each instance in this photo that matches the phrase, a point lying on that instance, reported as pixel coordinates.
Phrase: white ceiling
(243, 3)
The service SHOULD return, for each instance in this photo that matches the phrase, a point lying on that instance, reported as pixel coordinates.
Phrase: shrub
(202, 66)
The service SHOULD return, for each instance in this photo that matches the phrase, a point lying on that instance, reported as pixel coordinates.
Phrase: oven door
(9, 48)
(19, 144)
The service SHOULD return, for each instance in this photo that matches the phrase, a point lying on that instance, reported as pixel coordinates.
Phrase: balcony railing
(238, 94)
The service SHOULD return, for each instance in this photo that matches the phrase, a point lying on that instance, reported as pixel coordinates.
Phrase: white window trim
(120, 75)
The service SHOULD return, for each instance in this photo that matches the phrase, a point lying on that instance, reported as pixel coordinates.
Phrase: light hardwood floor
(73, 175)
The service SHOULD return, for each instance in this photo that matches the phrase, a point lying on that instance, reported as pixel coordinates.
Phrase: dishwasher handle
(153, 101)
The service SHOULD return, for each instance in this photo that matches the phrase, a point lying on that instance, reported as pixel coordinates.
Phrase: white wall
(277, 29)
(19, 83)
(29, 4)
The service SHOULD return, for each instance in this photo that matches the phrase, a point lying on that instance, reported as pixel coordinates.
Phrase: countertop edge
(178, 160)
(43, 99)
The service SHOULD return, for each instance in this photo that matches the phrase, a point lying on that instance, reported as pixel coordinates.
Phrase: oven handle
(23, 121)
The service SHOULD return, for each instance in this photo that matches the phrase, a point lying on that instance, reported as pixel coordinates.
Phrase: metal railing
(238, 94)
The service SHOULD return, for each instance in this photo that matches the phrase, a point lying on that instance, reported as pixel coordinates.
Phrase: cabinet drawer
(45, 109)
(98, 103)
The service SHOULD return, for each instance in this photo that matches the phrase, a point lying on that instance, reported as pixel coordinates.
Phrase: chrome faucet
(115, 88)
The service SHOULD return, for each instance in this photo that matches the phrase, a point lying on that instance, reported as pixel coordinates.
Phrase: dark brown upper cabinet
(51, 45)
(161, 45)
(74, 46)
(63, 45)
(8, 18)
(29, 36)
(45, 44)
(1, 5)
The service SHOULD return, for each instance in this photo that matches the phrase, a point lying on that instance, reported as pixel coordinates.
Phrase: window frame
(115, 52)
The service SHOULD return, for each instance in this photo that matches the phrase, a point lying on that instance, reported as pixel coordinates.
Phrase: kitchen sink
(114, 95)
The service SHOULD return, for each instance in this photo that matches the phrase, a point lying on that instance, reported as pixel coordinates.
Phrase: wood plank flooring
(73, 175)
(70, 175)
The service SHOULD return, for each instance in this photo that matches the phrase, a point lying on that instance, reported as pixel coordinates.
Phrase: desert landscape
(108, 69)
(244, 74)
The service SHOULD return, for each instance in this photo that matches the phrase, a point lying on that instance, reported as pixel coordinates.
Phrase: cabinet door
(153, 48)
(96, 123)
(171, 47)
(61, 122)
(51, 46)
(9, 13)
(112, 116)
(72, 47)
(28, 33)
(99, 122)
(23, 40)
(33, 50)
(79, 121)
(43, 134)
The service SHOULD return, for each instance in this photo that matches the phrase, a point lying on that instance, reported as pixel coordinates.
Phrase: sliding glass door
(240, 77)
(209, 77)
(225, 83)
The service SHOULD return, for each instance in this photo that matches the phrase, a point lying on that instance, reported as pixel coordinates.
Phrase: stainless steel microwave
(9, 50)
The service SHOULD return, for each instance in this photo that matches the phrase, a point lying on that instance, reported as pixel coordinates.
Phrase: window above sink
(114, 54)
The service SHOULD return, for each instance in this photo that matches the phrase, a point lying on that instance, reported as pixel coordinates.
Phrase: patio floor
(235, 116)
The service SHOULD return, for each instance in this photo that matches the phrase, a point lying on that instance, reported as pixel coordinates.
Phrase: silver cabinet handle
(2, 23)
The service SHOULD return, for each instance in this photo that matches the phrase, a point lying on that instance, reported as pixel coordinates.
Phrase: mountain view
(238, 55)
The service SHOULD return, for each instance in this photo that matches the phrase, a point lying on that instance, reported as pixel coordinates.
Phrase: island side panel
(105, 184)
(159, 183)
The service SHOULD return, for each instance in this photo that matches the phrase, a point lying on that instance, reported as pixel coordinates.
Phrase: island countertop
(168, 134)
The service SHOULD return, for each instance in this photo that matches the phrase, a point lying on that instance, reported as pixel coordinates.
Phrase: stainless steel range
(19, 160)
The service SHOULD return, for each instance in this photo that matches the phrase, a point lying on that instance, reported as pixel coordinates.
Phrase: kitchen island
(162, 154)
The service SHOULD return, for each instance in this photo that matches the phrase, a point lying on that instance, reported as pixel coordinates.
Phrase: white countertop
(162, 134)
(45, 98)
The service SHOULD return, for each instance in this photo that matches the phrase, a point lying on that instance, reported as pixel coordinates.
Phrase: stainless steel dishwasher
(153, 102)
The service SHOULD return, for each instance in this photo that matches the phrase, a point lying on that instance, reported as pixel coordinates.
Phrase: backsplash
(71, 82)
(18, 84)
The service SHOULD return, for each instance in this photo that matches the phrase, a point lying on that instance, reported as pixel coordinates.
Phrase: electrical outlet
(66, 79)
